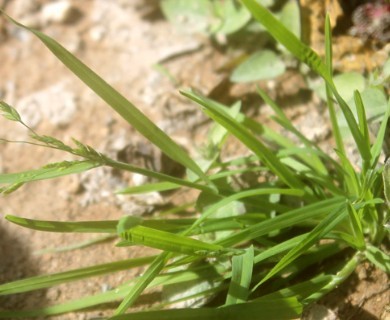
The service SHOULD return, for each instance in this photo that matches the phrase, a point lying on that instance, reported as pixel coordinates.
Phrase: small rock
(319, 312)
(58, 12)
(97, 33)
(56, 103)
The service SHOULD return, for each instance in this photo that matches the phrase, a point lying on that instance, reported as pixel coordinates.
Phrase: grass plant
(261, 248)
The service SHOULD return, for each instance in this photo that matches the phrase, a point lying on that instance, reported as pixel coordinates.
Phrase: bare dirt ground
(121, 41)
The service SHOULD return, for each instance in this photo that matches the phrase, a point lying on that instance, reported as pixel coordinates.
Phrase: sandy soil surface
(122, 41)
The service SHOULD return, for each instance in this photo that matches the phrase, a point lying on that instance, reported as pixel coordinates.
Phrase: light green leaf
(188, 15)
(290, 17)
(346, 84)
(233, 16)
(261, 65)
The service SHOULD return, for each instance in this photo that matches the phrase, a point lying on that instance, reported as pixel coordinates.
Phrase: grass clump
(259, 247)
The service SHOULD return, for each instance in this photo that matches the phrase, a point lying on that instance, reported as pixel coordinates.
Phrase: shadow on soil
(16, 263)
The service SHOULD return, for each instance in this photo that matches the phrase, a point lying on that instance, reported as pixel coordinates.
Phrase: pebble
(58, 12)
(319, 312)
(97, 33)
(55, 103)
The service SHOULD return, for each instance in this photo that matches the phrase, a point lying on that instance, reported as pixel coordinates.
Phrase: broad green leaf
(188, 15)
(118, 102)
(290, 17)
(261, 65)
(346, 84)
(233, 16)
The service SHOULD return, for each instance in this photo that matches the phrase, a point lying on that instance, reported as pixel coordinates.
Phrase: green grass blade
(150, 274)
(76, 245)
(278, 248)
(363, 126)
(149, 187)
(351, 180)
(50, 280)
(329, 97)
(356, 225)
(286, 38)
(106, 226)
(378, 258)
(286, 124)
(157, 175)
(325, 226)
(380, 137)
(140, 235)
(288, 219)
(262, 309)
(303, 289)
(118, 102)
(242, 267)
(51, 171)
(241, 195)
(308, 56)
(238, 130)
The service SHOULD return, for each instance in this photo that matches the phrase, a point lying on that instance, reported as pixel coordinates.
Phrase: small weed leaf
(9, 112)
